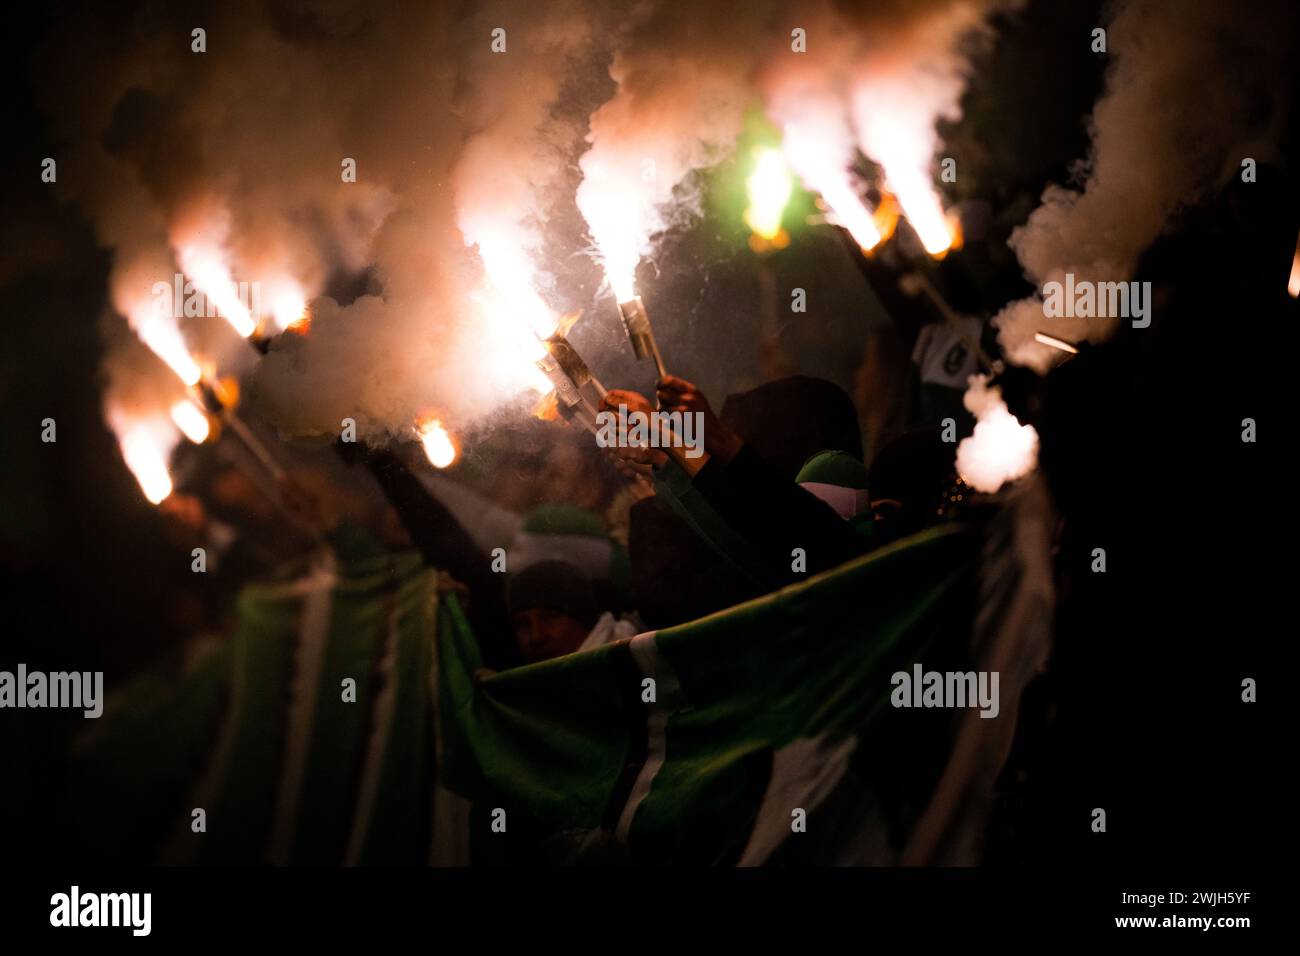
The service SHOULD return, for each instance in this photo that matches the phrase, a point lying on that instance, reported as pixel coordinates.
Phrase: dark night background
(1140, 712)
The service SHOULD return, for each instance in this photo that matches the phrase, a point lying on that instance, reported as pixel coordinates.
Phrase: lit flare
(1293, 285)
(769, 187)
(191, 420)
(210, 275)
(822, 174)
(147, 461)
(438, 445)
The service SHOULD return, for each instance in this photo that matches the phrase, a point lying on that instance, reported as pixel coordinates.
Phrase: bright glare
(823, 174)
(507, 350)
(921, 207)
(611, 204)
(207, 269)
(438, 447)
(510, 270)
(1293, 286)
(191, 421)
(146, 460)
(897, 131)
(769, 189)
(160, 334)
(287, 308)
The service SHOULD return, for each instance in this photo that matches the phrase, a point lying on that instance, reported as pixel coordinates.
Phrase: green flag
(350, 701)
(675, 747)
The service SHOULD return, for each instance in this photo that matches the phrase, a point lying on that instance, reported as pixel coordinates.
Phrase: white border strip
(668, 699)
(313, 628)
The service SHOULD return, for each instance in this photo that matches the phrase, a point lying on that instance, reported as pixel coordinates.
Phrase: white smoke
(1000, 449)
(1178, 115)
(244, 145)
(459, 148)
(683, 75)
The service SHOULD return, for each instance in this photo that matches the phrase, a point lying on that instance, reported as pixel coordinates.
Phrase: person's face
(543, 634)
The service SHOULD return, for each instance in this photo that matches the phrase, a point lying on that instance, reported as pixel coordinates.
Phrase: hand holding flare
(678, 395)
(675, 395)
(636, 462)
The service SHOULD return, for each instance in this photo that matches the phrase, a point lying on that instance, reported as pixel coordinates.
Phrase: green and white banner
(348, 720)
(718, 740)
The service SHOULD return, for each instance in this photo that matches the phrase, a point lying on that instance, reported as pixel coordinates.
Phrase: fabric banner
(760, 734)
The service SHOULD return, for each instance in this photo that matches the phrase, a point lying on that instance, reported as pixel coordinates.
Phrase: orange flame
(568, 321)
(921, 206)
(886, 216)
(1293, 285)
(289, 310)
(301, 325)
(438, 445)
(226, 389)
(547, 408)
(953, 226)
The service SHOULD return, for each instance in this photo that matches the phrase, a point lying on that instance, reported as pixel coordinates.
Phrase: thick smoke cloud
(460, 119)
(1178, 115)
(241, 147)
(683, 83)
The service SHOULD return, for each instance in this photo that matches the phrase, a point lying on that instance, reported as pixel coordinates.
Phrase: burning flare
(288, 307)
(921, 206)
(160, 334)
(823, 172)
(1000, 449)
(613, 217)
(538, 331)
(510, 271)
(191, 420)
(1293, 285)
(206, 267)
(769, 188)
(438, 446)
(145, 448)
(898, 134)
